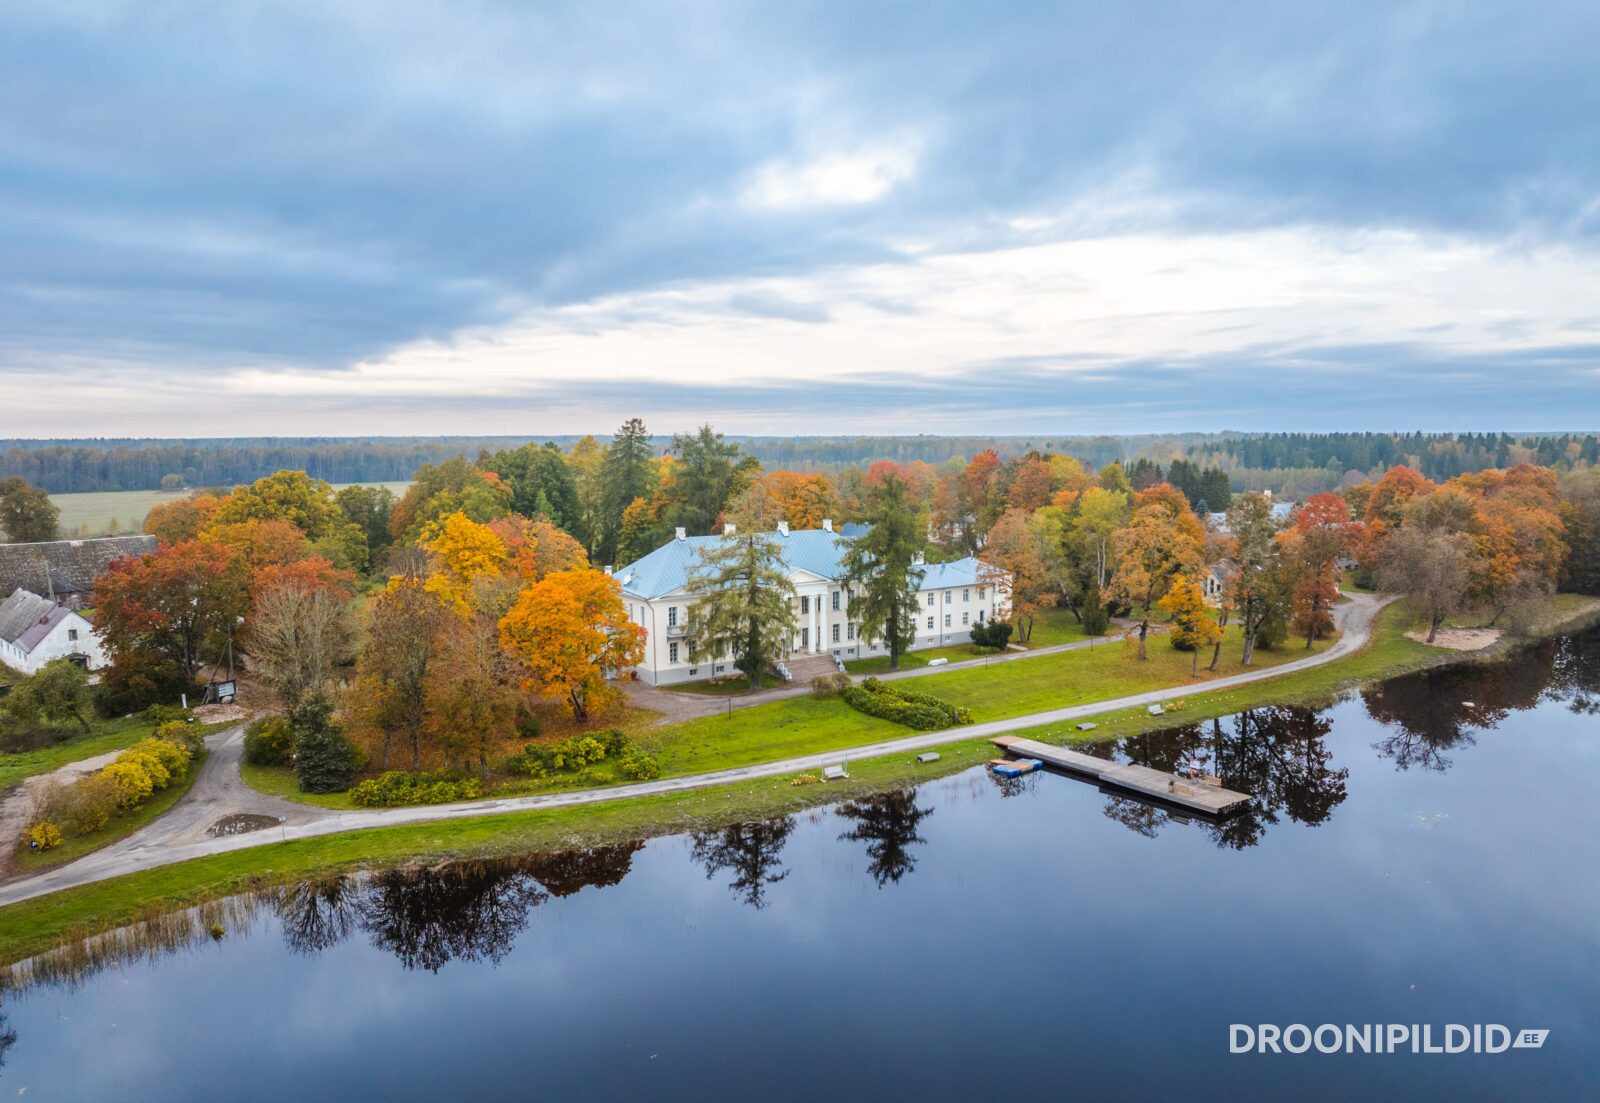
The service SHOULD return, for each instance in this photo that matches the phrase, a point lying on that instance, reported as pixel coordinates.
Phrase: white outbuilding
(34, 630)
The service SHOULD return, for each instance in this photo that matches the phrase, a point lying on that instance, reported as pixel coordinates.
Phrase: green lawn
(35, 925)
(108, 735)
(806, 725)
(1054, 626)
(279, 781)
(726, 688)
(911, 660)
(120, 826)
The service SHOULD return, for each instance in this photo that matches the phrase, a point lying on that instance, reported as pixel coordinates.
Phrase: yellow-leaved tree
(1193, 627)
(466, 558)
(569, 630)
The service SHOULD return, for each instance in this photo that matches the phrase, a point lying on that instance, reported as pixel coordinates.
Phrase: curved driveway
(160, 844)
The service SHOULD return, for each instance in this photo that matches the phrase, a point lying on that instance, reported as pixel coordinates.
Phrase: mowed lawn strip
(807, 725)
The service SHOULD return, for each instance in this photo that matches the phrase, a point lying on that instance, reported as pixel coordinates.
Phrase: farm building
(34, 630)
(65, 570)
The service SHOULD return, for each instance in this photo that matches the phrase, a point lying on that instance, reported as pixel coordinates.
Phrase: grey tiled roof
(21, 612)
(65, 568)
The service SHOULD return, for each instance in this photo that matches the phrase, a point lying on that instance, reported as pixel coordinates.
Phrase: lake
(1425, 853)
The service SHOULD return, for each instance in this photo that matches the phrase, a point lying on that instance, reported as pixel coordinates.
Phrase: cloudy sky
(353, 218)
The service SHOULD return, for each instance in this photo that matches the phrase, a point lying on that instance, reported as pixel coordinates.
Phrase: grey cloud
(313, 184)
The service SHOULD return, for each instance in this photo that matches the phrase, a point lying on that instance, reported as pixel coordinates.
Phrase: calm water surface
(1426, 853)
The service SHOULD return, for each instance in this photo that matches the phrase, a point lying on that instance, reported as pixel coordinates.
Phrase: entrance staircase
(804, 666)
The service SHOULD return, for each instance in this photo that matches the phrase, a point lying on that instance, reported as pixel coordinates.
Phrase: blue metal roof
(940, 576)
(815, 550)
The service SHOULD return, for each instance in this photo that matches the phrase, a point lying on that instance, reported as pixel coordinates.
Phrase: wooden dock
(1197, 796)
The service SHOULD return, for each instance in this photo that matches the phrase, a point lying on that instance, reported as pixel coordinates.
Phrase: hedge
(921, 711)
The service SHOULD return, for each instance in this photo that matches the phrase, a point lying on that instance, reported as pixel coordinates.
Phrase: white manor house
(952, 598)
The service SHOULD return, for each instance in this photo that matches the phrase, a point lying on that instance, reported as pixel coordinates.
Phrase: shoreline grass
(32, 926)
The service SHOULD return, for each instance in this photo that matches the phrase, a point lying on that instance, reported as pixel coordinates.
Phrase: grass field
(108, 735)
(36, 925)
(100, 513)
(806, 725)
(1055, 626)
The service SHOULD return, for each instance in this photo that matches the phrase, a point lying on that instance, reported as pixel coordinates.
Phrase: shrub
(830, 685)
(89, 803)
(915, 710)
(136, 681)
(130, 785)
(269, 741)
(995, 634)
(324, 760)
(1096, 617)
(160, 777)
(530, 726)
(639, 766)
(568, 755)
(398, 787)
(159, 715)
(43, 835)
(173, 756)
(984, 649)
(183, 735)
(17, 735)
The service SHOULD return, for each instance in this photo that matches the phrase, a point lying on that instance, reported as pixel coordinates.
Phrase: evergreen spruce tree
(883, 569)
(324, 760)
(746, 610)
(625, 474)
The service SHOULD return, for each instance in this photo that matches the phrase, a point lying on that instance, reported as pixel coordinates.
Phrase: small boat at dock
(1014, 767)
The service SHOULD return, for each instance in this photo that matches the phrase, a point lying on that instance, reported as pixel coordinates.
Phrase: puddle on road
(241, 822)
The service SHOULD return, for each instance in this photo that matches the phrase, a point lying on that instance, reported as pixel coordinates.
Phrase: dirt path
(163, 843)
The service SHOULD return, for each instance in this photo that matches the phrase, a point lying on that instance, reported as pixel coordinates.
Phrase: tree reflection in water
(564, 873)
(426, 917)
(887, 823)
(1278, 755)
(429, 916)
(751, 850)
(1432, 711)
(317, 915)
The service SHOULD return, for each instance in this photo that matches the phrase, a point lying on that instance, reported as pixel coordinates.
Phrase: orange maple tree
(569, 630)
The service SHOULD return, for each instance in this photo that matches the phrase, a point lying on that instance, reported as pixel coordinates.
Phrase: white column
(816, 624)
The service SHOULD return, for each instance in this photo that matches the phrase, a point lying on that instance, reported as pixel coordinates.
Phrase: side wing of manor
(952, 598)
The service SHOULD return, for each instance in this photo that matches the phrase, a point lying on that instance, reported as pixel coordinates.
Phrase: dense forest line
(1295, 465)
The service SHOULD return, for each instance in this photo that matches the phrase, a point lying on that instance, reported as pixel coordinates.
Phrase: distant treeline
(70, 466)
(1296, 464)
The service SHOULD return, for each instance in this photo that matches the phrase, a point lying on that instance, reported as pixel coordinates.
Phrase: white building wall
(59, 643)
(954, 610)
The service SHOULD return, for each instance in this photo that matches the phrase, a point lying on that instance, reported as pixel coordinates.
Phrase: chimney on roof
(608, 571)
(681, 533)
(729, 528)
(827, 524)
(783, 528)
